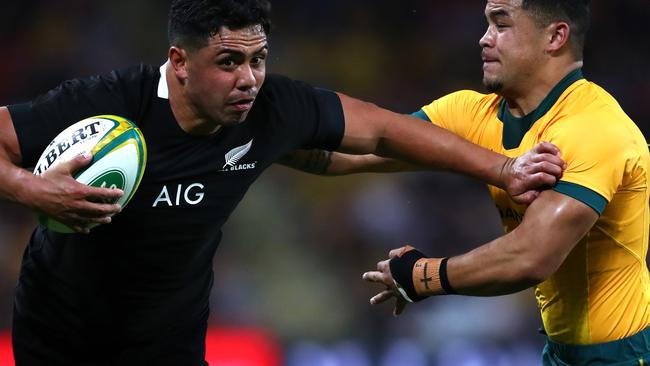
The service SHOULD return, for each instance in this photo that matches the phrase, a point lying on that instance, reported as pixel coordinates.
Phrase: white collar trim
(163, 88)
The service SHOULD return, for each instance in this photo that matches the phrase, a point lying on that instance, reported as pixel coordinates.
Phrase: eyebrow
(230, 50)
(498, 13)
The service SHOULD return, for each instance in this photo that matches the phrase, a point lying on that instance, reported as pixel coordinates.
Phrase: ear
(558, 36)
(178, 60)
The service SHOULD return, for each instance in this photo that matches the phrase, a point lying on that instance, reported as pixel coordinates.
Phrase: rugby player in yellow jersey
(581, 244)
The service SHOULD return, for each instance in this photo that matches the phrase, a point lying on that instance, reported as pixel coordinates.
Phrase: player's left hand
(383, 276)
(529, 174)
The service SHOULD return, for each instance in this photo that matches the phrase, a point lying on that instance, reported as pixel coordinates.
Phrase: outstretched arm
(402, 138)
(54, 193)
(528, 255)
(323, 162)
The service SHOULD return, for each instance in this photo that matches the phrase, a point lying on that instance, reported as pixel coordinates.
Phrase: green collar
(514, 128)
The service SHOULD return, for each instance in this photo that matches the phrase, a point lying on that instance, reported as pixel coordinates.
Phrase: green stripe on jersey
(582, 194)
(514, 128)
(421, 115)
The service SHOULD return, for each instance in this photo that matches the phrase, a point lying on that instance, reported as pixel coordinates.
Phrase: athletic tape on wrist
(401, 268)
(444, 280)
(430, 277)
(426, 277)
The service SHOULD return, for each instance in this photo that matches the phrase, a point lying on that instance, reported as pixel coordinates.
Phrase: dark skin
(524, 61)
(216, 85)
(537, 162)
(554, 223)
(55, 192)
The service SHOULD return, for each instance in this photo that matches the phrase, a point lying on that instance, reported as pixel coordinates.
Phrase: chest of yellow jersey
(602, 290)
(489, 134)
(578, 303)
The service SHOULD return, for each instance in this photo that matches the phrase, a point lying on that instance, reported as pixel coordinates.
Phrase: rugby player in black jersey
(135, 291)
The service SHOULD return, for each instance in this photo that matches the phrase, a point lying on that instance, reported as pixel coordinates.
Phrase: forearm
(349, 164)
(373, 130)
(528, 255)
(14, 181)
(328, 163)
(437, 148)
(501, 267)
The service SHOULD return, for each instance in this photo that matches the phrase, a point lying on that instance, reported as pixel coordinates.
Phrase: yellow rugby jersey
(602, 290)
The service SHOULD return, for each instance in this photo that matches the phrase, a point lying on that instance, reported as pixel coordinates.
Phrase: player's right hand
(384, 277)
(56, 194)
(536, 170)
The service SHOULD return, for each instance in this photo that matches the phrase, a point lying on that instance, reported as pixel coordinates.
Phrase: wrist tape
(418, 277)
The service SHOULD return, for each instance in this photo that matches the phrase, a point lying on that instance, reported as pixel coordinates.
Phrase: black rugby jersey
(150, 270)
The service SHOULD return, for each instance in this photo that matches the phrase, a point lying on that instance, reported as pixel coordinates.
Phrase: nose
(246, 79)
(488, 39)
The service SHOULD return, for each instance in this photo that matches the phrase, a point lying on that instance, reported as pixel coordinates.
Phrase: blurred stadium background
(312, 237)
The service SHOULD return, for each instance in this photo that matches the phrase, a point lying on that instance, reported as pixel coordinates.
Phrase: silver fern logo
(233, 156)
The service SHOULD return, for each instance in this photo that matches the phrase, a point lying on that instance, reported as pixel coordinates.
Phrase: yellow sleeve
(456, 112)
(598, 151)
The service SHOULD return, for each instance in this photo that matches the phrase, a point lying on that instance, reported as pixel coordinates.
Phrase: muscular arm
(373, 130)
(13, 179)
(388, 142)
(54, 193)
(528, 255)
(322, 162)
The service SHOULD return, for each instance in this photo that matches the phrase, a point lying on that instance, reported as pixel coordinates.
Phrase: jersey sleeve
(37, 122)
(312, 117)
(597, 152)
(455, 112)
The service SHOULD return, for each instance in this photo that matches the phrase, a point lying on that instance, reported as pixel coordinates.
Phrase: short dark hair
(192, 22)
(574, 12)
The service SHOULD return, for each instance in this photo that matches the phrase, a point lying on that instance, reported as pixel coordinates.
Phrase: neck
(523, 101)
(187, 117)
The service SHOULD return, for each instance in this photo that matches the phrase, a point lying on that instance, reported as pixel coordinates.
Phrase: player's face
(224, 77)
(513, 46)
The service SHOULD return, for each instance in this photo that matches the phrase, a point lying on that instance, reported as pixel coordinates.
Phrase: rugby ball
(119, 157)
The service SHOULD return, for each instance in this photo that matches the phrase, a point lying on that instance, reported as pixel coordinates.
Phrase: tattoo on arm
(310, 161)
(426, 279)
(318, 161)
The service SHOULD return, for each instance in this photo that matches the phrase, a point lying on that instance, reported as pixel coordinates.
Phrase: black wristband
(444, 280)
(401, 268)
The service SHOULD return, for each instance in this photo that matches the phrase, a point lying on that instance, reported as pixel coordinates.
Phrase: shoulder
(589, 110)
(294, 94)
(464, 101)
(276, 79)
(591, 127)
(127, 75)
(124, 92)
(132, 79)
(590, 93)
(468, 96)
(136, 73)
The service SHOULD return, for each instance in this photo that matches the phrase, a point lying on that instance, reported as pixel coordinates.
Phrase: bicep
(363, 125)
(369, 129)
(9, 147)
(552, 226)
(313, 161)
(556, 223)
